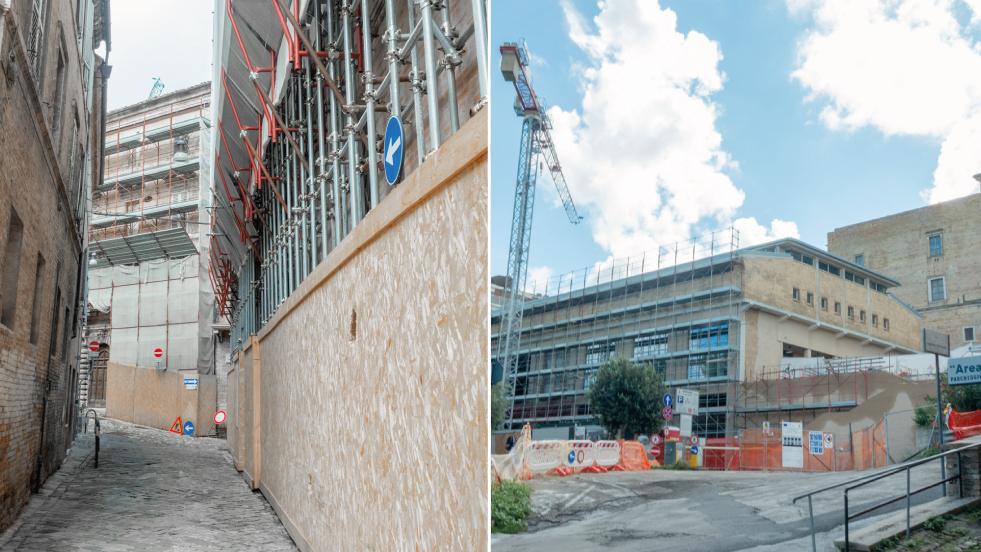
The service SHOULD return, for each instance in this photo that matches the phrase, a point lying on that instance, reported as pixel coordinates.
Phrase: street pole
(940, 421)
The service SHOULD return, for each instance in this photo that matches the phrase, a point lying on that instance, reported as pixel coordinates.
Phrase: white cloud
(538, 279)
(642, 155)
(753, 233)
(170, 39)
(904, 67)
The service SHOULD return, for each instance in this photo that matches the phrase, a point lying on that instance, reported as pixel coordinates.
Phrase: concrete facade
(712, 324)
(50, 112)
(938, 242)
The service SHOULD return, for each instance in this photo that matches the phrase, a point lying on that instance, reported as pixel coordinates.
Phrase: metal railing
(857, 482)
(97, 430)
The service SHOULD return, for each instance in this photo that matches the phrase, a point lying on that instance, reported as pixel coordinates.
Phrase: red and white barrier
(580, 454)
(543, 456)
(607, 453)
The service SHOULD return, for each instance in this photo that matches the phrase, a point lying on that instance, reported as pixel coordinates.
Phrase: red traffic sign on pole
(220, 417)
(94, 346)
(693, 440)
(666, 413)
(158, 352)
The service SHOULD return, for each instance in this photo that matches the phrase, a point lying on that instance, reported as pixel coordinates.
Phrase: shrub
(935, 524)
(510, 506)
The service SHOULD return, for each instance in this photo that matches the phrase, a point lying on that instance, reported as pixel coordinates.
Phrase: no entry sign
(94, 346)
(158, 352)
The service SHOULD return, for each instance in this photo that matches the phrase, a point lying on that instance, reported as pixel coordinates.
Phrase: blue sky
(803, 140)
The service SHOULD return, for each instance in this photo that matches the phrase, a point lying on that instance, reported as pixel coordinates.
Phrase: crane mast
(536, 145)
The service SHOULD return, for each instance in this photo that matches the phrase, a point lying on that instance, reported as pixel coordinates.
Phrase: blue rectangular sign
(816, 442)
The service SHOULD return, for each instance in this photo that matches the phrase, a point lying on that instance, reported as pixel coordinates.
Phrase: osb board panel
(232, 434)
(155, 398)
(376, 439)
(247, 434)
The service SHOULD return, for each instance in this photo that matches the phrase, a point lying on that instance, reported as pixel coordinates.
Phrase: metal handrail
(97, 429)
(864, 480)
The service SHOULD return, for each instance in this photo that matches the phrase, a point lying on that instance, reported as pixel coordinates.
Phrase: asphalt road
(688, 510)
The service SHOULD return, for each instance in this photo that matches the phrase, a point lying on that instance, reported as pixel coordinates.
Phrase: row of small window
(851, 310)
(833, 269)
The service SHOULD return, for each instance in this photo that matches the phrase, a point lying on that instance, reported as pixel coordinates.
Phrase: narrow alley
(153, 490)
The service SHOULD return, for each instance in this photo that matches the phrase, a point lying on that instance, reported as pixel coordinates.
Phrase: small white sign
(792, 439)
(685, 425)
(686, 401)
(190, 383)
(962, 371)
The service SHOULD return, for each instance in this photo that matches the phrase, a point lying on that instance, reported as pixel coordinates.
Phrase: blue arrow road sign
(694, 449)
(667, 399)
(188, 428)
(393, 149)
(572, 456)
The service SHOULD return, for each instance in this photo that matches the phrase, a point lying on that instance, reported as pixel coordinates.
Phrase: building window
(885, 324)
(810, 298)
(35, 38)
(11, 270)
(837, 308)
(860, 259)
(824, 304)
(875, 320)
(938, 289)
(59, 98)
(600, 353)
(936, 245)
(851, 312)
(707, 365)
(796, 294)
(36, 301)
(649, 346)
(829, 268)
(709, 336)
(969, 333)
(861, 316)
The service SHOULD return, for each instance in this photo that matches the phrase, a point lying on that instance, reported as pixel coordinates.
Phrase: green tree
(627, 398)
(498, 404)
(964, 398)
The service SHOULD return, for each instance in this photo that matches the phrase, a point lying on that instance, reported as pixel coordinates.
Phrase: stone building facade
(934, 253)
(150, 302)
(52, 95)
(712, 324)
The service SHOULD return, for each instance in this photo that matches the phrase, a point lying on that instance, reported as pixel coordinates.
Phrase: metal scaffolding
(299, 159)
(675, 309)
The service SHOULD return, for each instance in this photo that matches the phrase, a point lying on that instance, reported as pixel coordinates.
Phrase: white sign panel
(686, 401)
(962, 371)
(936, 342)
(792, 437)
(685, 425)
(190, 383)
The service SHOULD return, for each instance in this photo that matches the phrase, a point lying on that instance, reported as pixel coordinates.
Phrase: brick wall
(37, 388)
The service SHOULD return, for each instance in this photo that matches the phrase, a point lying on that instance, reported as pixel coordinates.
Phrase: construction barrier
(633, 457)
(543, 456)
(581, 454)
(964, 424)
(607, 453)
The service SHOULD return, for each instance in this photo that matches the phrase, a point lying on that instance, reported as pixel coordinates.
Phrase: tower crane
(536, 146)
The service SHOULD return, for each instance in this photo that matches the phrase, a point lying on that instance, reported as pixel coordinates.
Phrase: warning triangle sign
(176, 428)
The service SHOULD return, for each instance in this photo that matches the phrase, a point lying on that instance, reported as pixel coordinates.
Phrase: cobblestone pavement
(153, 491)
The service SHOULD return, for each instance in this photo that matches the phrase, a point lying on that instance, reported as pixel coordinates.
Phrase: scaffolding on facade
(675, 308)
(299, 152)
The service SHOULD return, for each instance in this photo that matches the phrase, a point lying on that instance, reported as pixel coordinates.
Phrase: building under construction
(745, 327)
(350, 219)
(150, 304)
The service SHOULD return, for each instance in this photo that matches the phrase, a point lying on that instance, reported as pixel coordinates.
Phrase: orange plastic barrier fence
(633, 457)
(964, 424)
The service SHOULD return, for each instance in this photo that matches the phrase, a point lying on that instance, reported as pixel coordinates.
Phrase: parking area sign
(686, 402)
(816, 441)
